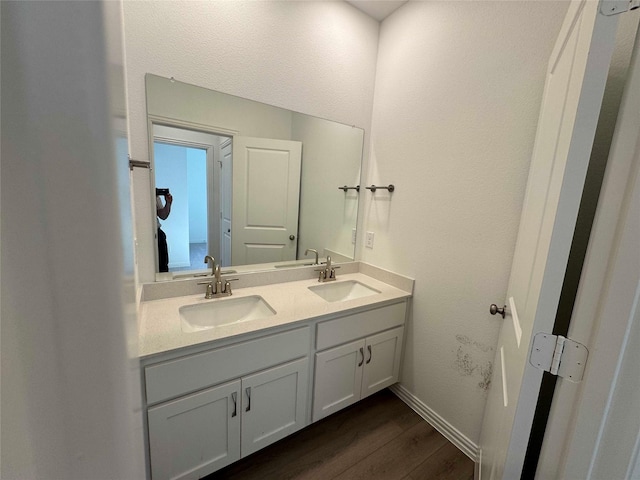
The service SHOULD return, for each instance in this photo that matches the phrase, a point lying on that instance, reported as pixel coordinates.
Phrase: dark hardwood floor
(379, 438)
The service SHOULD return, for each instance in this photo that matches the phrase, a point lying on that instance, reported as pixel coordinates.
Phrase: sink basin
(222, 312)
(340, 291)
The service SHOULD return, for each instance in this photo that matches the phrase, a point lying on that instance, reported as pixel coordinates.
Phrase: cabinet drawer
(358, 325)
(188, 374)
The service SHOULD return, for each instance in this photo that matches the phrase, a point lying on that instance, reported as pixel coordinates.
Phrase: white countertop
(160, 325)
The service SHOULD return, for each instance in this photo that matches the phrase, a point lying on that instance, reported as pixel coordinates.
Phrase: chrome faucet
(216, 288)
(328, 273)
(216, 274)
(306, 252)
(208, 259)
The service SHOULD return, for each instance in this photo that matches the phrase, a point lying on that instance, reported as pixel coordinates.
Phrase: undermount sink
(223, 312)
(340, 291)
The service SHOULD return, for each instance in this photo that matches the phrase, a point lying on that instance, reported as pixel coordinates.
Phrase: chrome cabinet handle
(248, 392)
(234, 399)
(361, 353)
(370, 354)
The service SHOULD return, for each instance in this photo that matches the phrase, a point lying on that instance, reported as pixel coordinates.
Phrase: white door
(195, 435)
(266, 196)
(274, 404)
(575, 82)
(594, 428)
(225, 202)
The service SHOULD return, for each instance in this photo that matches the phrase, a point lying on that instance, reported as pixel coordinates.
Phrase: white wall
(70, 397)
(458, 91)
(312, 57)
(197, 180)
(327, 215)
(199, 106)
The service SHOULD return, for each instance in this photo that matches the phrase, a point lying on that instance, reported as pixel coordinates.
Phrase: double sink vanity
(225, 377)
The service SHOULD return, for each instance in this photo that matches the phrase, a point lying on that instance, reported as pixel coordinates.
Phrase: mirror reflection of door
(225, 201)
(184, 163)
(179, 169)
(266, 200)
(235, 198)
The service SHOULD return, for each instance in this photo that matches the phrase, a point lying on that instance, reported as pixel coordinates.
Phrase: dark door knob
(493, 309)
(292, 237)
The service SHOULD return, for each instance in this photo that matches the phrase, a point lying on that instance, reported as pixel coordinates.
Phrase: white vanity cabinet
(210, 404)
(351, 371)
(198, 433)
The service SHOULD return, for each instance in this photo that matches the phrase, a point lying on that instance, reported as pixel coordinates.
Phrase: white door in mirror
(266, 197)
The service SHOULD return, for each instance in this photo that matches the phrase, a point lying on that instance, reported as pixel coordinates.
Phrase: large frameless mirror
(253, 185)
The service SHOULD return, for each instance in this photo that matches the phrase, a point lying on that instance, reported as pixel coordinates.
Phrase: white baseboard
(469, 448)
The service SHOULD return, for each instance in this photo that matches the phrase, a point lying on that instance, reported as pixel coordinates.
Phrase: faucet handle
(227, 285)
(209, 292)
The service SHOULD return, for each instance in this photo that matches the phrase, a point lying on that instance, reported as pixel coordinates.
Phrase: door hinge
(614, 7)
(559, 356)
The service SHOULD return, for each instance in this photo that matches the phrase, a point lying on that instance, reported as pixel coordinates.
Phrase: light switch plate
(369, 240)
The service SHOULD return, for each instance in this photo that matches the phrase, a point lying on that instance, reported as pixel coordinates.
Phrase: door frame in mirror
(213, 202)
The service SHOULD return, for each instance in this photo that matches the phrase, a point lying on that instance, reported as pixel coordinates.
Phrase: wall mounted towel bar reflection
(345, 188)
(373, 188)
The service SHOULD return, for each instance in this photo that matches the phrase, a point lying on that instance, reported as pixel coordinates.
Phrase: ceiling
(378, 9)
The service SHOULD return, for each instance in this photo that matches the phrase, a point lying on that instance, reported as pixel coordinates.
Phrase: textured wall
(458, 91)
(313, 57)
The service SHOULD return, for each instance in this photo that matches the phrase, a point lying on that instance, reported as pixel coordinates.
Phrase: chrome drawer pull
(248, 392)
(234, 399)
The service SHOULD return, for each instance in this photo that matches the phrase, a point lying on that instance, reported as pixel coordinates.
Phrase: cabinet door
(195, 435)
(382, 364)
(274, 404)
(338, 378)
